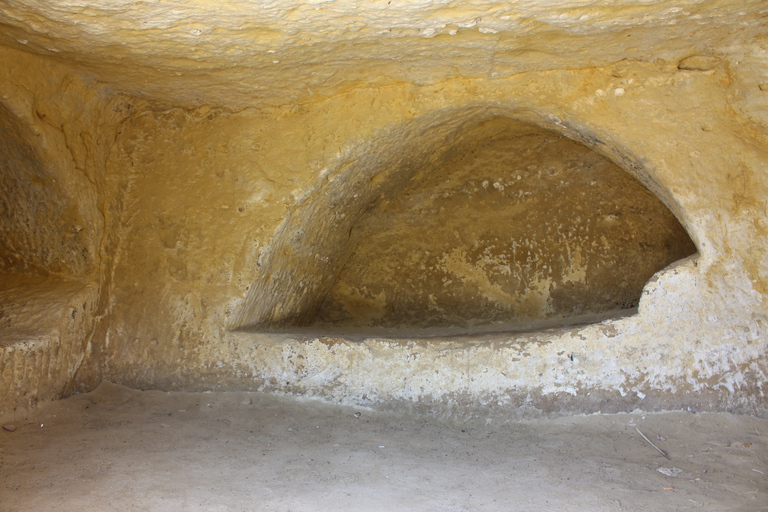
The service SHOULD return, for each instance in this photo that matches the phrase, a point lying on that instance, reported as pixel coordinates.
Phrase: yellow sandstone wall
(56, 130)
(222, 170)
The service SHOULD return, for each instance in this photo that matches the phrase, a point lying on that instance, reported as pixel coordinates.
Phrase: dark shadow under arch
(310, 258)
(41, 232)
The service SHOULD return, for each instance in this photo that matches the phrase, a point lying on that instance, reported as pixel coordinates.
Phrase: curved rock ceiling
(239, 52)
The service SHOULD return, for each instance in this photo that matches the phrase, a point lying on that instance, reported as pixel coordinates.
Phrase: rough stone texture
(241, 53)
(30, 242)
(45, 327)
(511, 226)
(212, 136)
(56, 130)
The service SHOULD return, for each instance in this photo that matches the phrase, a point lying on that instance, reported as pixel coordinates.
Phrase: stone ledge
(45, 324)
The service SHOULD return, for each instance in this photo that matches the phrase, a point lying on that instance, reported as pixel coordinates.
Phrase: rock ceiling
(238, 53)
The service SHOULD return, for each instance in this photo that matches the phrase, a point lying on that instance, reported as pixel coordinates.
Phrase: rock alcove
(490, 224)
(201, 196)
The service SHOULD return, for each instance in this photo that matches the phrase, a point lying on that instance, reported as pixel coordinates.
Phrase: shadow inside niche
(505, 227)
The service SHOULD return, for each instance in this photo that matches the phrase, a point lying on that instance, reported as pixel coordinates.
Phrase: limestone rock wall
(202, 237)
(30, 242)
(222, 153)
(56, 129)
(511, 227)
(46, 327)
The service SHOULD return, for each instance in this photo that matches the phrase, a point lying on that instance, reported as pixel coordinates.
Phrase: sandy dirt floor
(120, 450)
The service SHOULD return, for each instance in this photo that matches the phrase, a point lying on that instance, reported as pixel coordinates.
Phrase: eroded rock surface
(202, 167)
(510, 226)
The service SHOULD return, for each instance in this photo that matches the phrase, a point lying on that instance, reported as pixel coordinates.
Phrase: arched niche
(465, 221)
(41, 229)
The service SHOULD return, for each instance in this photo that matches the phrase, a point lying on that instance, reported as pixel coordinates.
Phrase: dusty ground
(119, 449)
